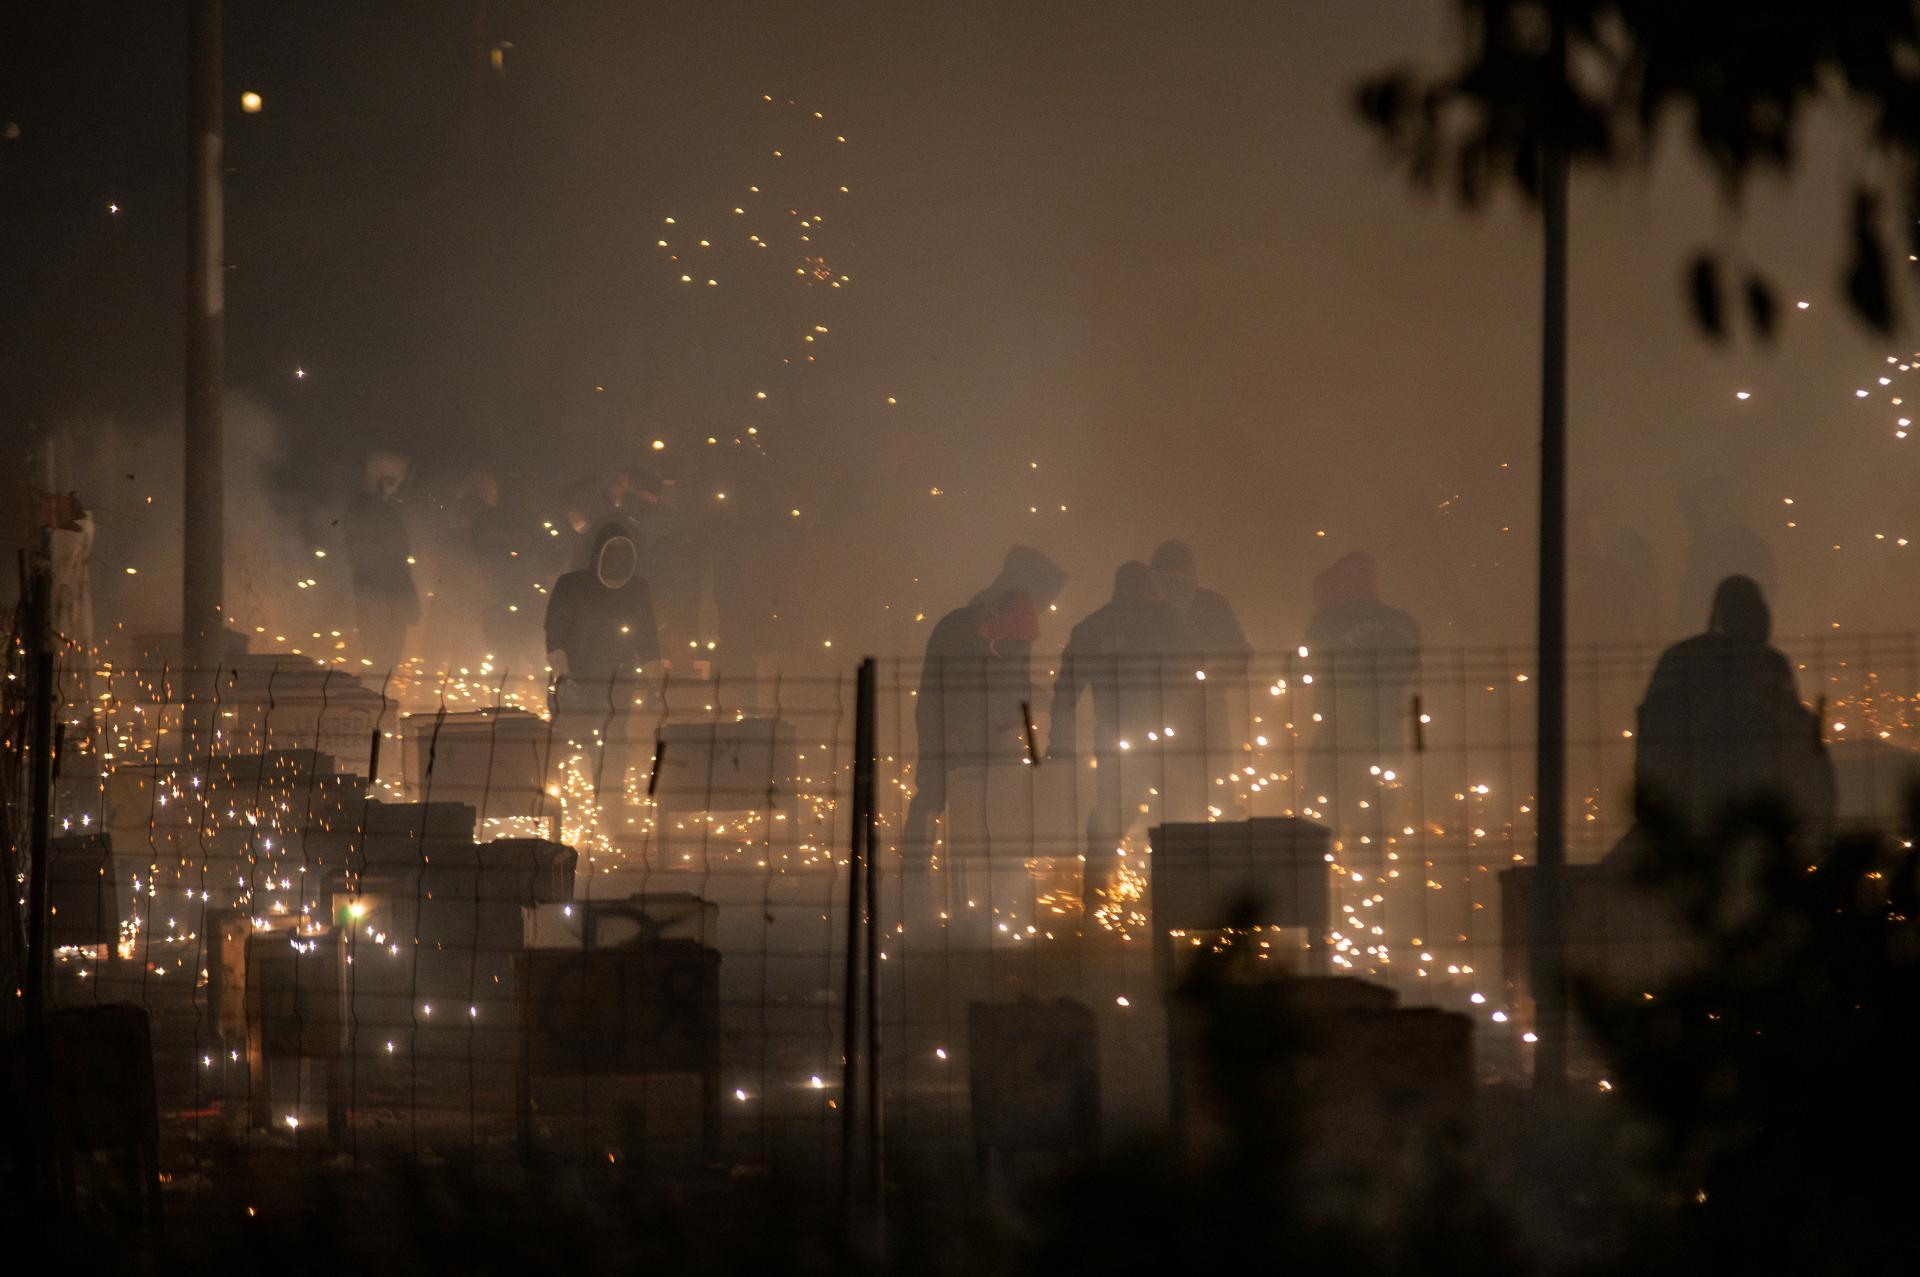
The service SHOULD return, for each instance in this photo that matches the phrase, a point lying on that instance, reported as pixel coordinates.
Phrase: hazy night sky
(1160, 256)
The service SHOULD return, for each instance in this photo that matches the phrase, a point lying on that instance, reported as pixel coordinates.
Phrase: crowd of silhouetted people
(618, 578)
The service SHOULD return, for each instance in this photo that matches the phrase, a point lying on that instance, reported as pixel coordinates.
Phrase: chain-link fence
(470, 915)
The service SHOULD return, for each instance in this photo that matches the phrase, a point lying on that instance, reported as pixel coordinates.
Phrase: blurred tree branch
(1742, 75)
(1775, 1069)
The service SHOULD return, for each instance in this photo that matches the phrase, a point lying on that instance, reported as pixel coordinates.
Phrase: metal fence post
(850, 1070)
(866, 813)
(40, 745)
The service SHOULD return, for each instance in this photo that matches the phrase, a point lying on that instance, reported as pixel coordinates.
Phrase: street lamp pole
(1549, 974)
(203, 531)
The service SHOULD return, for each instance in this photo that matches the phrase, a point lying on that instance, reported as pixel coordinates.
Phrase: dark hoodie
(1723, 724)
(1364, 658)
(1123, 653)
(1362, 649)
(1029, 572)
(974, 682)
(603, 631)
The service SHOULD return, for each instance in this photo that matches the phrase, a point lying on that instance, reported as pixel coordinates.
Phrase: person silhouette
(1218, 649)
(1722, 725)
(601, 636)
(1365, 656)
(380, 560)
(973, 682)
(1120, 654)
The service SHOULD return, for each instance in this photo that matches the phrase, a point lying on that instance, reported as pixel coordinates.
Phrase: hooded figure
(1218, 648)
(1028, 571)
(1126, 655)
(380, 560)
(1365, 656)
(1722, 723)
(600, 632)
(1117, 653)
(600, 617)
(974, 681)
(1211, 624)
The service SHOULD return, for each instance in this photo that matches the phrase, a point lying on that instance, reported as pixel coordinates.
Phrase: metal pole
(1549, 975)
(203, 528)
(40, 745)
(866, 706)
(850, 1046)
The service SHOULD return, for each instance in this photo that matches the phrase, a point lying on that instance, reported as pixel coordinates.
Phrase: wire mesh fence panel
(475, 915)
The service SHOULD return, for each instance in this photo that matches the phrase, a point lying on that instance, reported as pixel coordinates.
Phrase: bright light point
(940, 1052)
(251, 102)
(1803, 305)
(659, 445)
(1742, 394)
(814, 1082)
(739, 1095)
(293, 1121)
(1529, 1037)
(1121, 1001)
(1499, 1017)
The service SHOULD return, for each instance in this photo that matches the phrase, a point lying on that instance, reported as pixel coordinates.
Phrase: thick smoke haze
(1153, 271)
